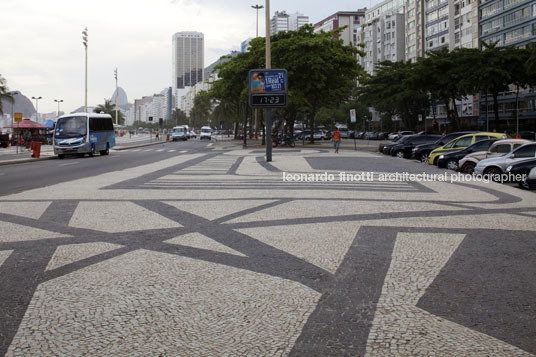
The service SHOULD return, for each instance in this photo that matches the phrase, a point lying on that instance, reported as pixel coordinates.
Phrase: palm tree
(109, 108)
(4, 92)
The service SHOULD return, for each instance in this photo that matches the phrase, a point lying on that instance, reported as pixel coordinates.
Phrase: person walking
(157, 135)
(336, 140)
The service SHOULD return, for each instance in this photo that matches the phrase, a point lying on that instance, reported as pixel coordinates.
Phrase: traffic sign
(18, 117)
(268, 88)
(352, 116)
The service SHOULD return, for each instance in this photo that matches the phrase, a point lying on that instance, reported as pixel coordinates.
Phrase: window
(491, 9)
(444, 11)
(456, 37)
(516, 16)
(502, 149)
(411, 13)
(517, 35)
(411, 25)
(431, 16)
(463, 142)
(411, 37)
(480, 138)
(456, 23)
(480, 145)
(526, 151)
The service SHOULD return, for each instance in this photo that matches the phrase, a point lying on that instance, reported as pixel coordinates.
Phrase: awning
(27, 124)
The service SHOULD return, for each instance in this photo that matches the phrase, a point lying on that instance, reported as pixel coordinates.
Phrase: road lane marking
(183, 151)
(210, 144)
(172, 150)
(159, 150)
(70, 163)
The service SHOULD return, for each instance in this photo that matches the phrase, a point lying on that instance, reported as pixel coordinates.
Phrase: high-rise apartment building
(281, 21)
(351, 19)
(187, 59)
(384, 34)
(509, 23)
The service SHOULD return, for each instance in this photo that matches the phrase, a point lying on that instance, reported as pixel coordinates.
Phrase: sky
(41, 50)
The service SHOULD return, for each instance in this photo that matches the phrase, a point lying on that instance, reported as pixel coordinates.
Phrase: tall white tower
(188, 60)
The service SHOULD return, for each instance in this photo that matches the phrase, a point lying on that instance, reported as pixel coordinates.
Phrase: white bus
(83, 133)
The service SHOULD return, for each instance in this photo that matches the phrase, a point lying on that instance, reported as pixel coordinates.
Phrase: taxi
(461, 143)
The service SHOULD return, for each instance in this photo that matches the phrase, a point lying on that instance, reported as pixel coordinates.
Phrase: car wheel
(452, 165)
(400, 154)
(468, 168)
(491, 172)
(61, 156)
(424, 158)
(524, 183)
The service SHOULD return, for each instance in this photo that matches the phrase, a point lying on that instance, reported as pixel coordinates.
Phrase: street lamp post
(116, 96)
(257, 7)
(268, 66)
(85, 42)
(58, 101)
(37, 108)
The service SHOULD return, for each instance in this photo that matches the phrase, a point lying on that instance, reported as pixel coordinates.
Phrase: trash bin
(36, 147)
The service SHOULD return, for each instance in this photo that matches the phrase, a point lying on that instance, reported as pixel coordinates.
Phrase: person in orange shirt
(336, 140)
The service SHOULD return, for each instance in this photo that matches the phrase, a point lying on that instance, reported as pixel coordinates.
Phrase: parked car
(461, 143)
(386, 149)
(498, 148)
(421, 152)
(522, 169)
(451, 160)
(398, 134)
(404, 149)
(531, 179)
(498, 165)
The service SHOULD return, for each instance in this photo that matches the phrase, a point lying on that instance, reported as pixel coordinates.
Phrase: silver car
(498, 148)
(498, 165)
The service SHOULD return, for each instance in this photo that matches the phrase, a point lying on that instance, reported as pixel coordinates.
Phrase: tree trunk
(496, 111)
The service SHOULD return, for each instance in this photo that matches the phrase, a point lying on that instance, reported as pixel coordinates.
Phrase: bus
(83, 133)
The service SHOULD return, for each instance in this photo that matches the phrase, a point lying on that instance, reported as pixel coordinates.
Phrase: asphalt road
(21, 177)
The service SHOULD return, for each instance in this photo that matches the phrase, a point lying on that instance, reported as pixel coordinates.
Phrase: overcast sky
(41, 51)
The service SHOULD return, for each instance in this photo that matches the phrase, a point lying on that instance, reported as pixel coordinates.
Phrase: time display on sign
(269, 100)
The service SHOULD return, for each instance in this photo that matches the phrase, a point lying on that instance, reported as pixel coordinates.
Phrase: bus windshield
(71, 127)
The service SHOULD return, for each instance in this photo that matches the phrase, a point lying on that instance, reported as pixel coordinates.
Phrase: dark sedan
(522, 169)
(421, 152)
(450, 160)
(386, 149)
(404, 149)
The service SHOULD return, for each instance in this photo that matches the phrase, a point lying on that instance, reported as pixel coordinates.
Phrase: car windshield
(71, 127)
(206, 131)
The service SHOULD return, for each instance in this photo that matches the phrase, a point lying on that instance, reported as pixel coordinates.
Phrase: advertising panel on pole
(18, 117)
(352, 116)
(268, 88)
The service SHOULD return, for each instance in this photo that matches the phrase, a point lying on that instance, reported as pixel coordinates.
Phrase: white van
(179, 133)
(206, 133)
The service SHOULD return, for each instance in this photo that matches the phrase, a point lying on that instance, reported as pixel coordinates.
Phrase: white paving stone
(12, 232)
(198, 240)
(321, 244)
(67, 254)
(329, 208)
(400, 328)
(4, 254)
(113, 217)
(32, 210)
(214, 209)
(145, 303)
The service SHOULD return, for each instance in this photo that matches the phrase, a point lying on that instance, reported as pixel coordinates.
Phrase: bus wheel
(107, 151)
(91, 152)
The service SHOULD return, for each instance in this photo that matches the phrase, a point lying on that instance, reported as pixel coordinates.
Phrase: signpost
(353, 119)
(268, 88)
(18, 119)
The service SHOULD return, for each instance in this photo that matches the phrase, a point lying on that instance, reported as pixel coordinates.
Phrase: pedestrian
(157, 134)
(336, 140)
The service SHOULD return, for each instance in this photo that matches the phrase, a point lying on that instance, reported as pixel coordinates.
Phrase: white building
(384, 34)
(281, 21)
(187, 60)
(187, 100)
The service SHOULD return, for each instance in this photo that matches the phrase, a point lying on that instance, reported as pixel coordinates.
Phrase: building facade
(351, 19)
(281, 21)
(187, 59)
(509, 23)
(384, 34)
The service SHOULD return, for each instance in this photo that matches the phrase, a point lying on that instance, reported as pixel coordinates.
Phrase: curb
(23, 161)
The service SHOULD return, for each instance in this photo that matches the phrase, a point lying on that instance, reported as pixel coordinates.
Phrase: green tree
(109, 108)
(200, 114)
(178, 117)
(4, 92)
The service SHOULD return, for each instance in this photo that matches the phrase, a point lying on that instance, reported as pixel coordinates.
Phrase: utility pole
(116, 96)
(268, 66)
(257, 7)
(85, 42)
